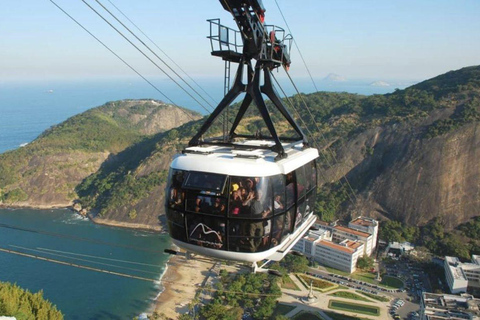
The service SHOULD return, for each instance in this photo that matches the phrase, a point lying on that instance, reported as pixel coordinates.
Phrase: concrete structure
(319, 246)
(456, 278)
(446, 306)
(399, 248)
(339, 246)
(460, 275)
(341, 233)
(342, 256)
(367, 225)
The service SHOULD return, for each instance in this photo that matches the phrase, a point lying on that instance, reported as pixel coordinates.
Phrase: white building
(367, 225)
(448, 306)
(462, 275)
(342, 256)
(341, 233)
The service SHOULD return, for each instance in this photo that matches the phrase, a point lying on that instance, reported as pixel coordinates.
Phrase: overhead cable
(296, 45)
(145, 55)
(153, 52)
(121, 59)
(158, 47)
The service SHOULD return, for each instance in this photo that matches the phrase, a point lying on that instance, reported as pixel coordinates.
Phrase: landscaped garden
(354, 307)
(349, 295)
(318, 284)
(392, 282)
(306, 316)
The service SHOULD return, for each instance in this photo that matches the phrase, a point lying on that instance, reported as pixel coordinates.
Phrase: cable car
(244, 197)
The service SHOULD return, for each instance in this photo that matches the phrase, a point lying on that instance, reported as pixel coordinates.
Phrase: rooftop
(245, 157)
(336, 246)
(455, 267)
(366, 222)
(352, 231)
(450, 304)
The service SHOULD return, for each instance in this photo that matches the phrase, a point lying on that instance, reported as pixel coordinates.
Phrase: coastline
(100, 221)
(180, 283)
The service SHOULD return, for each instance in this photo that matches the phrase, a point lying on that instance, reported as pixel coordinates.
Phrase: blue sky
(378, 40)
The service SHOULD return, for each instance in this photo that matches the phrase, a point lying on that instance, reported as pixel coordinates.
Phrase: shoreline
(106, 222)
(180, 282)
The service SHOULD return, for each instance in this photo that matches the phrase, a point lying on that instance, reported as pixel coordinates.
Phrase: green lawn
(354, 307)
(374, 296)
(306, 316)
(282, 309)
(392, 282)
(349, 295)
(318, 284)
(338, 316)
(288, 283)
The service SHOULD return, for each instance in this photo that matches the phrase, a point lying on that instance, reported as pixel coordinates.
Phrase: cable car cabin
(237, 204)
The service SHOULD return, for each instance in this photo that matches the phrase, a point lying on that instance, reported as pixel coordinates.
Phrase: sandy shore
(181, 281)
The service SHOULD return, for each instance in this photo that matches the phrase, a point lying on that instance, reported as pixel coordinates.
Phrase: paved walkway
(298, 299)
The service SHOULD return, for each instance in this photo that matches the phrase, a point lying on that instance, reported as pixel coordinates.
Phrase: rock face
(413, 179)
(46, 172)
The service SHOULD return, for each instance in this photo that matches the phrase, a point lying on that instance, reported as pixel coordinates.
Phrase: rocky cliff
(46, 172)
(410, 156)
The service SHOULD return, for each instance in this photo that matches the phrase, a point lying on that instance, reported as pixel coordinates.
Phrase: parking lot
(405, 301)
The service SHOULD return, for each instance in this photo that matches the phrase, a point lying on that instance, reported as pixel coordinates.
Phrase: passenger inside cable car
(240, 214)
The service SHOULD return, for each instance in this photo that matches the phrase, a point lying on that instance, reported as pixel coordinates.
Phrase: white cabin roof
(249, 163)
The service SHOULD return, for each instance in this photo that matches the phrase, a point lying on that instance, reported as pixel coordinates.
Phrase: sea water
(28, 108)
(62, 235)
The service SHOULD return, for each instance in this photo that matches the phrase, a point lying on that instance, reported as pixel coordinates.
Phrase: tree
(365, 263)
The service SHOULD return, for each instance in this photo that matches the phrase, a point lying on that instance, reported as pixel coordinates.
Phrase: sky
(357, 39)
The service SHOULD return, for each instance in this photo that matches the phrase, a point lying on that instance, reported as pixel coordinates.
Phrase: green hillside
(46, 171)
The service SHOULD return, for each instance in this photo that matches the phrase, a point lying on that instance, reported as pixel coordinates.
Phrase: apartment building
(449, 306)
(461, 275)
(367, 225)
(319, 246)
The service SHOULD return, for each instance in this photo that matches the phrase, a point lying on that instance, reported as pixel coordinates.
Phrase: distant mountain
(411, 156)
(333, 77)
(45, 172)
(380, 83)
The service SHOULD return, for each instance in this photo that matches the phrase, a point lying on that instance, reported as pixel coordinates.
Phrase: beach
(181, 281)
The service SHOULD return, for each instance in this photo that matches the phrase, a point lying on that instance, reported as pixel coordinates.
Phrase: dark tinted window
(301, 182)
(278, 184)
(205, 181)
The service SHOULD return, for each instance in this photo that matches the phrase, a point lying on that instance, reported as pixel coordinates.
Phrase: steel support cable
(158, 47)
(314, 139)
(321, 134)
(296, 45)
(145, 55)
(98, 257)
(83, 260)
(124, 275)
(316, 143)
(65, 236)
(153, 52)
(121, 59)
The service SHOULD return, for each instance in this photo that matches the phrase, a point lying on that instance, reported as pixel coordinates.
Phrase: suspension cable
(83, 260)
(153, 52)
(66, 236)
(145, 55)
(296, 45)
(121, 59)
(158, 47)
(322, 135)
(124, 275)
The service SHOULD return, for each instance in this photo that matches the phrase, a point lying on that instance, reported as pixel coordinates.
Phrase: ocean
(65, 236)
(29, 108)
